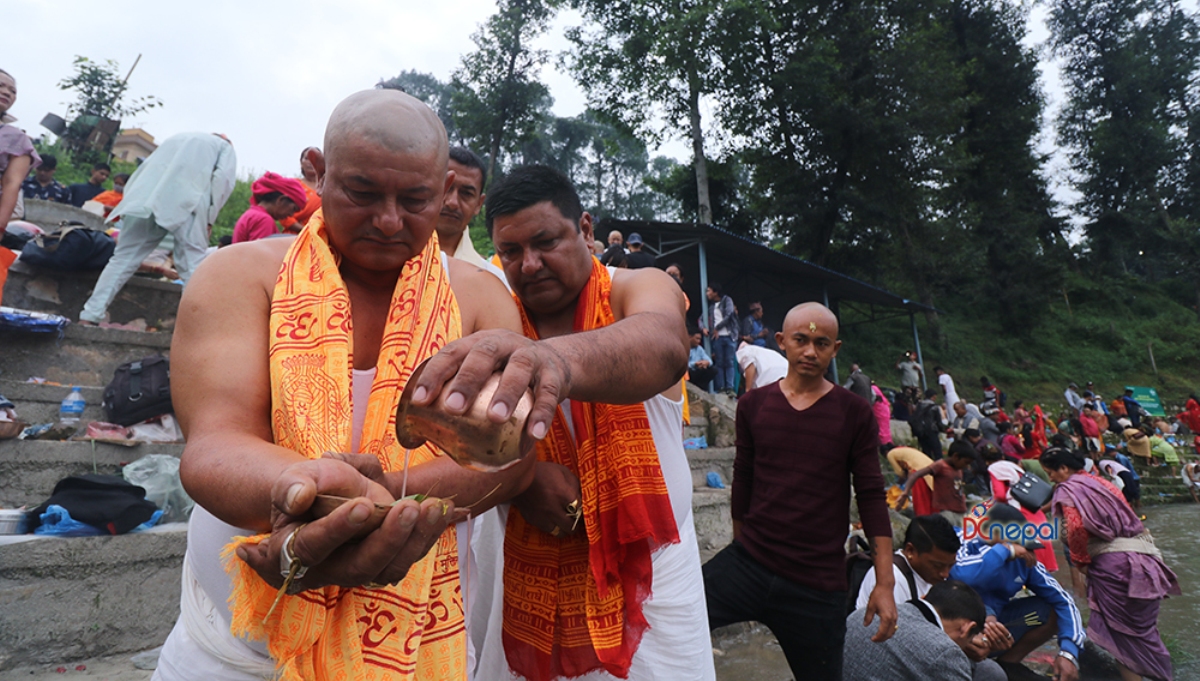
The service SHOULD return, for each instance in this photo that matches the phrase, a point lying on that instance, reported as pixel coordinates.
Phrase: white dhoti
(677, 646)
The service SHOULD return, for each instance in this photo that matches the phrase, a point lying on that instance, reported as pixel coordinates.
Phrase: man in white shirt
(930, 546)
(178, 191)
(930, 549)
(760, 366)
(461, 205)
(947, 383)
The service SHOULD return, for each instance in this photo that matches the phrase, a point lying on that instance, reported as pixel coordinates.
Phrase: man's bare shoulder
(634, 290)
(252, 265)
(483, 300)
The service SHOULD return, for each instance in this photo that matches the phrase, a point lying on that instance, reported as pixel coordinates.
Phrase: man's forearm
(624, 363)
(881, 550)
(210, 464)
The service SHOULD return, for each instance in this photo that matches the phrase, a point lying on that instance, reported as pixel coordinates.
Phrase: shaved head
(802, 315)
(382, 179)
(809, 339)
(391, 119)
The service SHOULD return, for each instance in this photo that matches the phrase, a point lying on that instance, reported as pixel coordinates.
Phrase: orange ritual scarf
(415, 629)
(574, 605)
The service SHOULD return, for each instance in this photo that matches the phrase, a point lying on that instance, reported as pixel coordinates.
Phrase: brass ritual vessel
(472, 439)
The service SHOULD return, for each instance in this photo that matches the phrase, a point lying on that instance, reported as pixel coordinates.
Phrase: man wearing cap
(178, 191)
(273, 198)
(638, 258)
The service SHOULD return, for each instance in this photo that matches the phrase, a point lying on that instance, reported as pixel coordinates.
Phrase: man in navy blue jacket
(998, 572)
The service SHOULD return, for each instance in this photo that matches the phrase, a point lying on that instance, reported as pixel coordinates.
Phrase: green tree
(427, 88)
(847, 114)
(497, 100)
(1129, 67)
(1008, 211)
(101, 89)
(608, 166)
(640, 58)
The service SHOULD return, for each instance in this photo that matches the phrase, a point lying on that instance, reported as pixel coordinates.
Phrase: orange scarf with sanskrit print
(413, 630)
(573, 605)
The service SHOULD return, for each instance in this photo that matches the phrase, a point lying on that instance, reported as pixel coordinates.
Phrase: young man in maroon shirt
(799, 443)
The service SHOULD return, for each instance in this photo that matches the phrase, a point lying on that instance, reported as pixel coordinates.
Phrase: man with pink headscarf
(273, 197)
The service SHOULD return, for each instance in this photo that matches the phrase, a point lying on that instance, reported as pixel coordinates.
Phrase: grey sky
(267, 73)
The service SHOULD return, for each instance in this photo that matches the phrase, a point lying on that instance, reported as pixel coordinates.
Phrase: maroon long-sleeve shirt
(791, 482)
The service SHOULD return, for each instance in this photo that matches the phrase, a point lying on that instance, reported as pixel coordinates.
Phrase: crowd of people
(581, 558)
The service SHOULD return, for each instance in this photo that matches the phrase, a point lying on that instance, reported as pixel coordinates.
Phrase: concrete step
(710, 512)
(38, 403)
(75, 598)
(64, 293)
(694, 431)
(29, 469)
(85, 356)
(718, 459)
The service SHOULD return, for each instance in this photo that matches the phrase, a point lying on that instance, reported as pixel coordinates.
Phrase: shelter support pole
(704, 298)
(917, 342)
(833, 364)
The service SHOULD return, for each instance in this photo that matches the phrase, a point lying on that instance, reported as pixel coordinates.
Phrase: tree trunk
(698, 160)
(510, 69)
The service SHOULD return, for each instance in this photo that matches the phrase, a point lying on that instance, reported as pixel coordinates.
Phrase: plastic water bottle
(71, 409)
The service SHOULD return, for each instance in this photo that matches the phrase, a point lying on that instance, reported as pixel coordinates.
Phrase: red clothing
(922, 498)
(790, 482)
(947, 488)
(1045, 555)
(254, 224)
(1191, 416)
(311, 204)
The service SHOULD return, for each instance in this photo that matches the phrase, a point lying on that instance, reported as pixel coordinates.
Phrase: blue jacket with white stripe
(991, 572)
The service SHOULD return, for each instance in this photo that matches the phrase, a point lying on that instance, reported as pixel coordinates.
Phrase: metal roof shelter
(750, 271)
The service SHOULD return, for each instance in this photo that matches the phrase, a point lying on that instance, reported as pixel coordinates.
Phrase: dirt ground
(114, 668)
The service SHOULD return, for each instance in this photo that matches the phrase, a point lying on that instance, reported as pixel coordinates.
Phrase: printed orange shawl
(573, 605)
(413, 630)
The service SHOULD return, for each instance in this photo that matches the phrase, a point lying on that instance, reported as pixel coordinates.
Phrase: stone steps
(64, 293)
(29, 469)
(84, 356)
(71, 599)
(713, 459)
(710, 513)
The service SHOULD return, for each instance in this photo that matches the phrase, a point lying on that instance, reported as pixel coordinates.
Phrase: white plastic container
(72, 407)
(12, 521)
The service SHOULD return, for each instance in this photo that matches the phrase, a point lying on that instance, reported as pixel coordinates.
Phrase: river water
(750, 653)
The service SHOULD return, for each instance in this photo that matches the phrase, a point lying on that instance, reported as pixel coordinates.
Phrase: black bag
(1032, 492)
(69, 248)
(139, 390)
(106, 502)
(860, 562)
(926, 421)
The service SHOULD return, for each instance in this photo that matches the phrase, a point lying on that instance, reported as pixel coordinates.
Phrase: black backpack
(139, 390)
(69, 248)
(106, 502)
(860, 562)
(924, 420)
